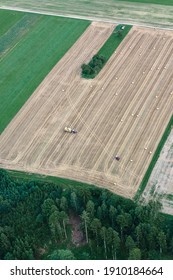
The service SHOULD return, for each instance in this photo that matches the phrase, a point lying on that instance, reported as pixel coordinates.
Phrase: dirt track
(123, 111)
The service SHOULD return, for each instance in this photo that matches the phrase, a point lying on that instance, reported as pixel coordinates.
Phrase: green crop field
(143, 12)
(159, 2)
(30, 45)
(7, 21)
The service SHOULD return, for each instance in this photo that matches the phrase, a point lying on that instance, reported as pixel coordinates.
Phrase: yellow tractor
(70, 130)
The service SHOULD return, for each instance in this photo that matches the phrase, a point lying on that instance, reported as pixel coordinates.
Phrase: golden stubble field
(123, 111)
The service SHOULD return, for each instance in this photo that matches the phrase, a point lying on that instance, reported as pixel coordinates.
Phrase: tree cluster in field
(91, 69)
(34, 217)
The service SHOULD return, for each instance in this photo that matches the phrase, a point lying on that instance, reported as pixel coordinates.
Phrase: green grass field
(159, 2)
(7, 21)
(113, 42)
(143, 12)
(30, 45)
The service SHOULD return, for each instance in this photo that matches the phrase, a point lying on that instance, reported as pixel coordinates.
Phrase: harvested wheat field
(123, 111)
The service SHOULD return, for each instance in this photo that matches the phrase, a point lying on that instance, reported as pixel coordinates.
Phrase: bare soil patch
(77, 234)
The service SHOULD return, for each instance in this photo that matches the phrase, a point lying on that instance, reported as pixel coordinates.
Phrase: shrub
(91, 69)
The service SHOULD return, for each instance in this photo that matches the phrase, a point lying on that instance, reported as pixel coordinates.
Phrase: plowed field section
(123, 111)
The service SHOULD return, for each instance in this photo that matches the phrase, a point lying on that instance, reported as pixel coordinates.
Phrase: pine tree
(112, 214)
(95, 227)
(74, 201)
(135, 254)
(115, 243)
(62, 255)
(46, 206)
(64, 218)
(162, 241)
(90, 209)
(54, 224)
(99, 213)
(130, 244)
(64, 204)
(103, 233)
(86, 220)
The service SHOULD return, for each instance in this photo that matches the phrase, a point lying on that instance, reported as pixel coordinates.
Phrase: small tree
(47, 206)
(64, 219)
(103, 233)
(95, 228)
(90, 209)
(162, 241)
(135, 254)
(112, 214)
(62, 255)
(64, 204)
(74, 201)
(54, 224)
(130, 244)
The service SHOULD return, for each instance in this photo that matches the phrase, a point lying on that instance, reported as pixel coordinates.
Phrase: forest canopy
(41, 220)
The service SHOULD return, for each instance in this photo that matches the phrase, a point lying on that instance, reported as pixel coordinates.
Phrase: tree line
(35, 215)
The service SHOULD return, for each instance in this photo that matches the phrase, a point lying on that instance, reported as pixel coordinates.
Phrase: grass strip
(157, 2)
(154, 160)
(22, 176)
(106, 51)
(114, 41)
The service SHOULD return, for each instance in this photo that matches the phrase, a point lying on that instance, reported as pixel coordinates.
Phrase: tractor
(70, 130)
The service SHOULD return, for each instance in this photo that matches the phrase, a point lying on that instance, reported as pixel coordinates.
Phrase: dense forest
(50, 221)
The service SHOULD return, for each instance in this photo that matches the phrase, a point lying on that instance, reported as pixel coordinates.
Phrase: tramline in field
(123, 111)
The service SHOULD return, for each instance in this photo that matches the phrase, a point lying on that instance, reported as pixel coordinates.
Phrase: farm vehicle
(70, 130)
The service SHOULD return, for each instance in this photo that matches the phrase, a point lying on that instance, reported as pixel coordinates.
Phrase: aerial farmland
(86, 138)
(29, 48)
(159, 185)
(122, 113)
(140, 12)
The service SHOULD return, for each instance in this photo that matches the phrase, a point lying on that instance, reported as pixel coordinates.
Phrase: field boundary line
(154, 160)
(82, 17)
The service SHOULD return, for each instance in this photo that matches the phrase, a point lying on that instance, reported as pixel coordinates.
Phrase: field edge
(154, 160)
